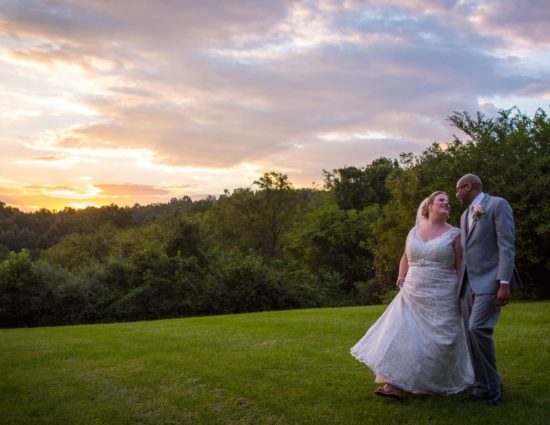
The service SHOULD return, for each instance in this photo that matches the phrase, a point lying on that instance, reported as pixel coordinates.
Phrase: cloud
(129, 190)
(57, 196)
(211, 92)
(509, 18)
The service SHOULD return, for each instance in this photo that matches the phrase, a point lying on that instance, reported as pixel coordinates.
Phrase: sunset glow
(102, 104)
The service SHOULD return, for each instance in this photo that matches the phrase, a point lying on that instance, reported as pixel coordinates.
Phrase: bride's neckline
(435, 237)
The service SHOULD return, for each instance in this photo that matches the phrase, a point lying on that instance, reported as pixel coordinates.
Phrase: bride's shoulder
(454, 231)
(410, 234)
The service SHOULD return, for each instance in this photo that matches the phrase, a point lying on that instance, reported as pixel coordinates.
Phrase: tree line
(271, 245)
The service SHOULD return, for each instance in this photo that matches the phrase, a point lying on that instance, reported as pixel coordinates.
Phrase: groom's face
(463, 193)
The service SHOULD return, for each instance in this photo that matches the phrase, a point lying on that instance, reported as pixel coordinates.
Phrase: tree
(256, 221)
(77, 250)
(23, 294)
(357, 188)
(511, 154)
(333, 241)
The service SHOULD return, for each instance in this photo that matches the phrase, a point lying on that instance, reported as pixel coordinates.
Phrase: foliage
(357, 188)
(256, 221)
(332, 240)
(23, 294)
(77, 250)
(43, 229)
(270, 246)
(512, 155)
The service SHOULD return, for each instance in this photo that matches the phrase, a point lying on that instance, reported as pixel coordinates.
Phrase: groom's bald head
(470, 179)
(467, 188)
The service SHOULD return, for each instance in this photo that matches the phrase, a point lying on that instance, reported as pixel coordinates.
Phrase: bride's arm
(458, 253)
(403, 269)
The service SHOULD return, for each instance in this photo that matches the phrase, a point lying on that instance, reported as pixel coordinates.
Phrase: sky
(141, 101)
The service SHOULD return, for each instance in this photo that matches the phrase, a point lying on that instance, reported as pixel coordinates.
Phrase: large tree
(257, 220)
(511, 154)
(357, 188)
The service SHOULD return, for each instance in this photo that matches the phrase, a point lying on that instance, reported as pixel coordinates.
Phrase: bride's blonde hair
(426, 206)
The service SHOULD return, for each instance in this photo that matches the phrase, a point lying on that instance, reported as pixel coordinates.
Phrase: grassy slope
(289, 367)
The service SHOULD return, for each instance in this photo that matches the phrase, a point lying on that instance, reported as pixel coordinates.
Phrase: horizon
(141, 102)
(84, 206)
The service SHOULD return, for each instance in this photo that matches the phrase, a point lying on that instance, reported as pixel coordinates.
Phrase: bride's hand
(400, 281)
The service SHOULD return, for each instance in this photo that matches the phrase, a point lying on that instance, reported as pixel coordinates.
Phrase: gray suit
(488, 257)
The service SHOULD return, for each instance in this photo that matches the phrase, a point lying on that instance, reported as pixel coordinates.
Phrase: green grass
(290, 367)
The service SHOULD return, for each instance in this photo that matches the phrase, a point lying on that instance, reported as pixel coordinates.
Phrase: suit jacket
(488, 247)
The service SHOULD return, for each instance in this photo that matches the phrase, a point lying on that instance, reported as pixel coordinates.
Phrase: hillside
(286, 367)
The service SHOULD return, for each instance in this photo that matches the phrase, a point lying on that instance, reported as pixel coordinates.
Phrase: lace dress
(419, 343)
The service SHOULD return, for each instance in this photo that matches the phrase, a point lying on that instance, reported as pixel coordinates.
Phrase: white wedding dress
(419, 343)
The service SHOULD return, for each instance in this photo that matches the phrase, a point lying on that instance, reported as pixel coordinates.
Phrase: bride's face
(440, 206)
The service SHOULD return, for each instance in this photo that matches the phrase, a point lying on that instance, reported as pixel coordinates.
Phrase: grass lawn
(287, 367)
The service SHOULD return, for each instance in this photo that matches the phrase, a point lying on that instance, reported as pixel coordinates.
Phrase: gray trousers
(479, 314)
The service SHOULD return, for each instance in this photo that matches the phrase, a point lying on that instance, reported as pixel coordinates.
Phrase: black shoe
(493, 400)
(476, 397)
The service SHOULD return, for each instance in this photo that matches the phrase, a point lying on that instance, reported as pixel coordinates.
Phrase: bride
(418, 345)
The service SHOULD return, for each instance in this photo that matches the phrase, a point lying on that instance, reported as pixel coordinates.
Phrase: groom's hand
(503, 294)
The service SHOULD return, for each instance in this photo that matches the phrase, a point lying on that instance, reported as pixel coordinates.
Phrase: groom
(485, 277)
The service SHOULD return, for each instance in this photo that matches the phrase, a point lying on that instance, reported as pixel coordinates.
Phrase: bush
(23, 293)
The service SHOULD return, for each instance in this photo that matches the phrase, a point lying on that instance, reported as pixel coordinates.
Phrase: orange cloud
(57, 197)
(130, 190)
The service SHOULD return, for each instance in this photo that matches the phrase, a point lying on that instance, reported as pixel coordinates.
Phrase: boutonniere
(478, 212)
